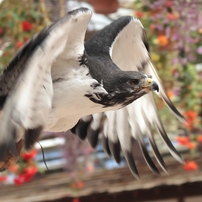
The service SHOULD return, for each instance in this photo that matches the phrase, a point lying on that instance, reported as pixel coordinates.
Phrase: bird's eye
(133, 82)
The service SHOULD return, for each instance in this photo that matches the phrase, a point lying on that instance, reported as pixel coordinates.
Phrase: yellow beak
(149, 81)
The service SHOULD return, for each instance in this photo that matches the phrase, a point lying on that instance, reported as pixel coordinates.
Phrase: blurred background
(77, 173)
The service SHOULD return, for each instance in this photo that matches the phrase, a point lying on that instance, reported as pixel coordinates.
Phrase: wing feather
(26, 98)
(129, 50)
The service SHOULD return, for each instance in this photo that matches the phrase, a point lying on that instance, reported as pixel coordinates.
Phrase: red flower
(26, 26)
(13, 168)
(162, 40)
(168, 3)
(18, 44)
(172, 16)
(191, 145)
(182, 140)
(190, 165)
(139, 14)
(30, 170)
(190, 116)
(29, 155)
(199, 138)
(26, 176)
(20, 179)
(170, 94)
(80, 184)
(3, 178)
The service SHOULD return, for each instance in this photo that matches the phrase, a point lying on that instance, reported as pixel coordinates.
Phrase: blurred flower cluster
(26, 168)
(18, 24)
(178, 26)
(193, 143)
(22, 172)
(174, 30)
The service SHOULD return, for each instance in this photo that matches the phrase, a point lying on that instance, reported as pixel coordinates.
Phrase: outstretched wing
(129, 50)
(26, 84)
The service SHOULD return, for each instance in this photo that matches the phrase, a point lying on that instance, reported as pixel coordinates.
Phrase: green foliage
(190, 87)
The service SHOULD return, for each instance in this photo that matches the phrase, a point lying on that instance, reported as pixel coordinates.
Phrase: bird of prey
(57, 83)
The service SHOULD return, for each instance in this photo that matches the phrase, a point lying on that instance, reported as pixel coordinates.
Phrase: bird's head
(123, 87)
(128, 86)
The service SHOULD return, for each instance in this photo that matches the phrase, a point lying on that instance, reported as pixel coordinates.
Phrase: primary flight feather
(56, 83)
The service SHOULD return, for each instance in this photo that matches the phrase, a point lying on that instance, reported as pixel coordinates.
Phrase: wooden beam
(157, 193)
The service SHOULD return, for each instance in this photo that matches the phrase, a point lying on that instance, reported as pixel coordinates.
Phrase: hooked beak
(154, 86)
(150, 83)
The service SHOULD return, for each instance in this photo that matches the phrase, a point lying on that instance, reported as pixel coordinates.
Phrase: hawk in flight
(58, 83)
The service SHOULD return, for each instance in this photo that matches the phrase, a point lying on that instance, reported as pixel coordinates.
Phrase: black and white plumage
(55, 84)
